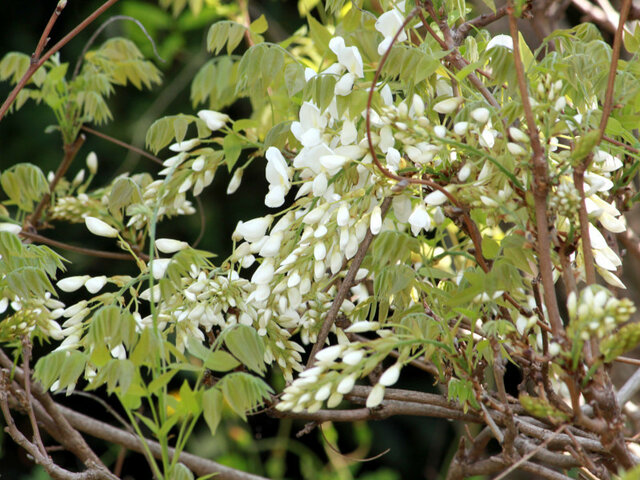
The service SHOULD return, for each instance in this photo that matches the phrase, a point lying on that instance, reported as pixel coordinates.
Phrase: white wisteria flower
(348, 57)
(235, 181)
(278, 177)
(388, 25)
(253, 230)
(100, 228)
(390, 375)
(214, 120)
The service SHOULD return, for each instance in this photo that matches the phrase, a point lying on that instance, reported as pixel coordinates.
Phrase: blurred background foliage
(415, 447)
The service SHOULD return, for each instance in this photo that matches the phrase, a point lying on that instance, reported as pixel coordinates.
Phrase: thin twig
(541, 186)
(26, 356)
(460, 33)
(587, 251)
(70, 152)
(530, 454)
(37, 62)
(344, 288)
(620, 144)
(85, 251)
(120, 143)
(613, 68)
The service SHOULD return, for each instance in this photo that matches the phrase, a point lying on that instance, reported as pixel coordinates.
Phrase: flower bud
(71, 284)
(100, 228)
(169, 245)
(448, 106)
(480, 115)
(92, 163)
(391, 375)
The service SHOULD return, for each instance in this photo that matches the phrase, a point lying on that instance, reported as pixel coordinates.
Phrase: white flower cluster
(334, 375)
(596, 312)
(31, 314)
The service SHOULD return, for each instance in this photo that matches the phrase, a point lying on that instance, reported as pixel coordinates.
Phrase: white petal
(375, 223)
(435, 198)
(214, 120)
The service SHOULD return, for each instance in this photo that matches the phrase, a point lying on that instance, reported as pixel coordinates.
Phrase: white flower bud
(391, 375)
(448, 106)
(376, 395)
(235, 181)
(461, 128)
(375, 223)
(71, 284)
(100, 228)
(92, 163)
(480, 115)
(329, 354)
(79, 178)
(440, 131)
(464, 172)
(95, 284)
(353, 357)
(185, 145)
(10, 227)
(435, 198)
(159, 267)
(554, 349)
(346, 384)
(363, 326)
(516, 149)
(169, 245)
(518, 135)
(417, 105)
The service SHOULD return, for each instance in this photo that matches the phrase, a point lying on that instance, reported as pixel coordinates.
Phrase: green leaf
(259, 25)
(212, 402)
(244, 392)
(232, 147)
(124, 192)
(180, 472)
(165, 130)
(24, 184)
(245, 344)
(584, 146)
(294, 78)
(221, 361)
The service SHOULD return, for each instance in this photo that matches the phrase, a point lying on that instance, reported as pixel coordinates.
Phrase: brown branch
(120, 143)
(530, 454)
(541, 186)
(37, 61)
(346, 284)
(70, 152)
(613, 68)
(587, 252)
(620, 144)
(200, 466)
(65, 433)
(39, 457)
(26, 356)
(85, 251)
(460, 33)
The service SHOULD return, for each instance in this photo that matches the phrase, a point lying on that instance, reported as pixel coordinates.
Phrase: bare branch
(37, 62)
(120, 143)
(540, 184)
